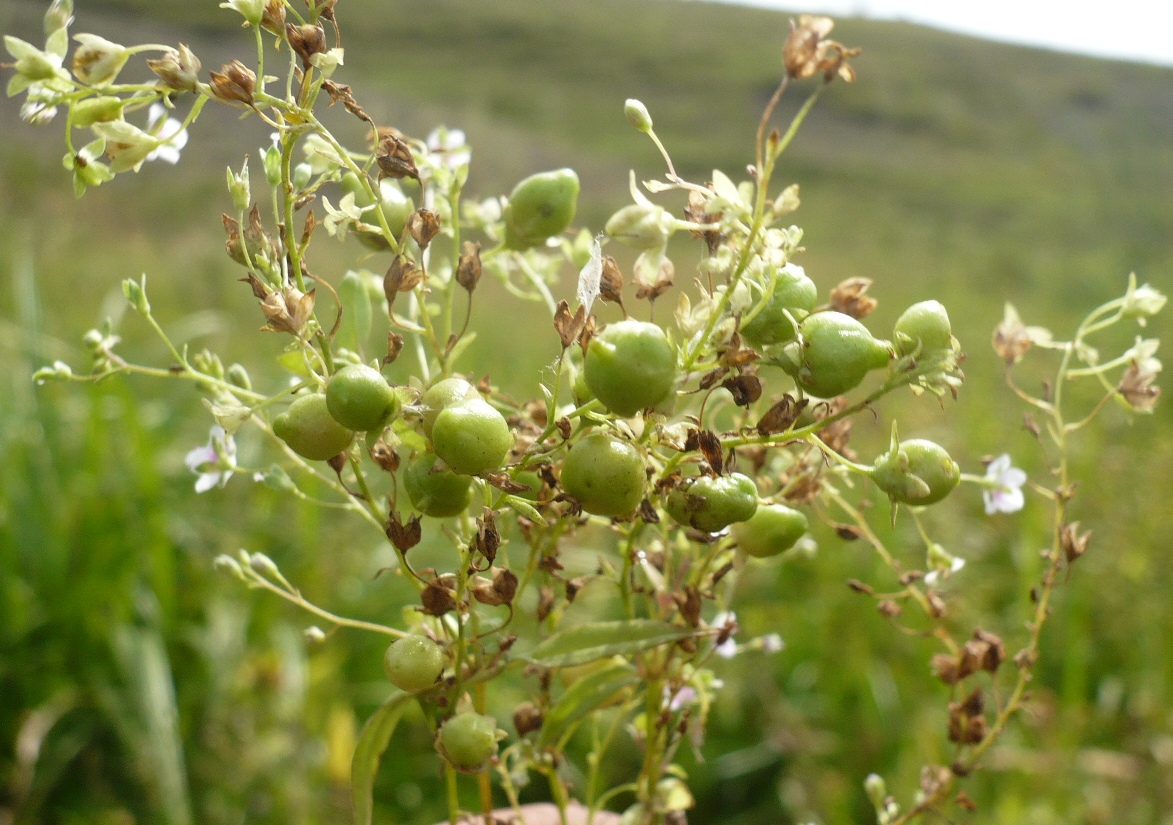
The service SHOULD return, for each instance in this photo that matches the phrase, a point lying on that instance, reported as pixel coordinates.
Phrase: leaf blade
(372, 742)
(599, 640)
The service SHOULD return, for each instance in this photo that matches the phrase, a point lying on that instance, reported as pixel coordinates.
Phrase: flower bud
(301, 176)
(227, 564)
(136, 294)
(1141, 302)
(643, 227)
(637, 115)
(251, 10)
(177, 68)
(98, 61)
(58, 17)
(877, 790)
(238, 188)
(272, 162)
(96, 110)
(314, 635)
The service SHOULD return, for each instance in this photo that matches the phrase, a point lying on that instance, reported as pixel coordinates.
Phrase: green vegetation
(138, 683)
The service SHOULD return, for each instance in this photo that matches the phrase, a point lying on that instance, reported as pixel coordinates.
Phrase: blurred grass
(141, 688)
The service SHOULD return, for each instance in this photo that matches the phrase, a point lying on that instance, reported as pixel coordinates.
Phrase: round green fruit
(413, 663)
(794, 293)
(436, 491)
(834, 354)
(471, 437)
(444, 394)
(917, 472)
(309, 429)
(630, 366)
(359, 398)
(712, 504)
(605, 475)
(467, 741)
(773, 529)
(924, 325)
(540, 207)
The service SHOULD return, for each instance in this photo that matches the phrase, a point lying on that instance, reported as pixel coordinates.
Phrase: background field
(140, 687)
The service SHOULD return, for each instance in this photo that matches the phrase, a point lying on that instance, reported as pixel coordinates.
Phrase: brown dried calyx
(234, 83)
(849, 298)
(306, 41)
(394, 156)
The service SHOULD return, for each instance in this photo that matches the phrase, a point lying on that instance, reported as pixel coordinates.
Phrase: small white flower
(170, 132)
(1003, 491)
(934, 576)
(215, 462)
(728, 648)
(772, 643)
(447, 147)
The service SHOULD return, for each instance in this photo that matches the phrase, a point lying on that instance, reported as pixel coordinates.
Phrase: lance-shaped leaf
(583, 698)
(372, 742)
(598, 640)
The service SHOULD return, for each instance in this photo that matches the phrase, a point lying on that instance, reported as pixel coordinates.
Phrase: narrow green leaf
(584, 697)
(598, 640)
(372, 741)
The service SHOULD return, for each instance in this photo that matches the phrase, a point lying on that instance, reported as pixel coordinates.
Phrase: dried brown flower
(177, 68)
(849, 298)
(1136, 385)
(808, 52)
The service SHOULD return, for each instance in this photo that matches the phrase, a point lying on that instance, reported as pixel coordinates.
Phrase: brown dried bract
(424, 224)
(611, 282)
(569, 327)
(468, 268)
(233, 245)
(288, 310)
(341, 93)
(849, 298)
(306, 41)
(527, 718)
(437, 599)
(384, 455)
(781, 417)
(665, 277)
(487, 538)
(1073, 543)
(689, 605)
(394, 347)
(403, 536)
(745, 388)
(497, 592)
(394, 157)
(403, 275)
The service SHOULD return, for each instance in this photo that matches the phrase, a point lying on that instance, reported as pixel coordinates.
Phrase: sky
(1140, 30)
